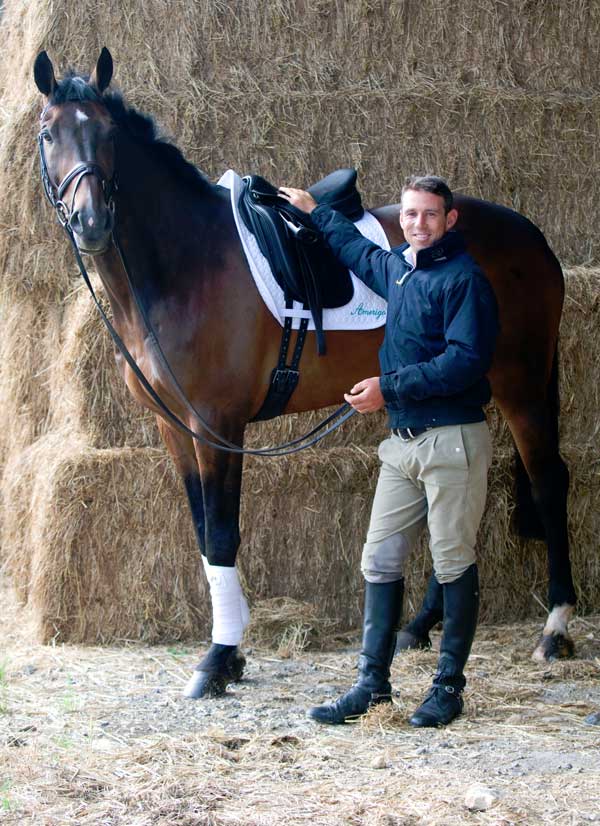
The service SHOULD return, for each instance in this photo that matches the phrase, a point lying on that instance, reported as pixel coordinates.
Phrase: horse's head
(77, 151)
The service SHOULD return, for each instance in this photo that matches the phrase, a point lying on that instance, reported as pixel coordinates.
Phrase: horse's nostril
(75, 221)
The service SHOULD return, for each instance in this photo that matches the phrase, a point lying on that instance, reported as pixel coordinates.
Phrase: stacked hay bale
(95, 528)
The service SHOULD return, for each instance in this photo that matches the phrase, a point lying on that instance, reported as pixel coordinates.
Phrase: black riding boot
(416, 633)
(383, 610)
(461, 606)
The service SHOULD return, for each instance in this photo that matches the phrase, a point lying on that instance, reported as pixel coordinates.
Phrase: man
(439, 340)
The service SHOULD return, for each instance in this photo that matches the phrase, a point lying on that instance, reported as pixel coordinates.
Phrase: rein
(64, 214)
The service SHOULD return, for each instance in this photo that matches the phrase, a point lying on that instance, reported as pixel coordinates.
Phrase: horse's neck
(161, 205)
(166, 229)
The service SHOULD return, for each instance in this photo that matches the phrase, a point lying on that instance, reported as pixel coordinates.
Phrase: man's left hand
(365, 396)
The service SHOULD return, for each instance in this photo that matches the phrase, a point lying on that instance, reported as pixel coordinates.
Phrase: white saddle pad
(365, 311)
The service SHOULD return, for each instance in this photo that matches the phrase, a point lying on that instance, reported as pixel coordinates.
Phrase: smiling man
(439, 341)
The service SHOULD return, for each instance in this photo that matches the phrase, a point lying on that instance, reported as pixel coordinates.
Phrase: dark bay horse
(187, 265)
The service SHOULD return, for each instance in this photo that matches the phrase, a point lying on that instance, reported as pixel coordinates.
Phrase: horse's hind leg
(415, 634)
(534, 429)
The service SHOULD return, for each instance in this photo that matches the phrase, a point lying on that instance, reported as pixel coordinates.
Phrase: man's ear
(451, 218)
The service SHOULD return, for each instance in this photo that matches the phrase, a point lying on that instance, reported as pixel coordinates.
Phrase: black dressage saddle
(301, 261)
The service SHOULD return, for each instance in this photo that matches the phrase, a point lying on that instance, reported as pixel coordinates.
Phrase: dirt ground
(102, 736)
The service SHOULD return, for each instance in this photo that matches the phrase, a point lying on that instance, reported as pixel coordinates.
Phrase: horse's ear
(43, 73)
(102, 74)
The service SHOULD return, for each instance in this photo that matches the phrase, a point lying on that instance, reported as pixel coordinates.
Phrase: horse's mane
(139, 126)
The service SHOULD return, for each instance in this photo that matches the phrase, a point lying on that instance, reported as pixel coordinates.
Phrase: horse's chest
(147, 366)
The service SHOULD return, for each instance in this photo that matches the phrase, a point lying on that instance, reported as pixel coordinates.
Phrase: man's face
(423, 219)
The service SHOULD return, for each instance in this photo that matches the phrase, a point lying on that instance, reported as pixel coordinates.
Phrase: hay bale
(309, 517)
(106, 551)
(88, 394)
(22, 491)
(579, 359)
(498, 118)
(416, 126)
(29, 339)
(336, 101)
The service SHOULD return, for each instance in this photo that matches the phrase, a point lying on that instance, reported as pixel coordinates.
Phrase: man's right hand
(298, 198)
(365, 396)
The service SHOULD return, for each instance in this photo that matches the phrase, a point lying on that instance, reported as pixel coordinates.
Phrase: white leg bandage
(230, 609)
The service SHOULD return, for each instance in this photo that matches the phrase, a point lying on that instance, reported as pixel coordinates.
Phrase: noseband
(54, 195)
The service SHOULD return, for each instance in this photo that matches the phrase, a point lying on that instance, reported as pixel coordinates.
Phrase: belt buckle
(411, 436)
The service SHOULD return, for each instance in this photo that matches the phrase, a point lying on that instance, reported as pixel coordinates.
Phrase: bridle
(64, 215)
(77, 174)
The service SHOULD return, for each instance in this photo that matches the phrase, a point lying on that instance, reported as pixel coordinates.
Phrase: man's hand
(365, 396)
(298, 198)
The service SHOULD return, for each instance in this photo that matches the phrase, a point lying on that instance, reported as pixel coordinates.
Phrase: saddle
(301, 261)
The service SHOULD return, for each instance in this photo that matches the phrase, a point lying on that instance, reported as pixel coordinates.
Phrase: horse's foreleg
(220, 475)
(534, 430)
(181, 449)
(223, 663)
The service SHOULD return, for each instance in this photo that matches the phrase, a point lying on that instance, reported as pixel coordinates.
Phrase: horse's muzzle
(95, 251)
(92, 231)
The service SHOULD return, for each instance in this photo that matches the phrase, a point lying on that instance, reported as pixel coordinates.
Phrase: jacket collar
(446, 248)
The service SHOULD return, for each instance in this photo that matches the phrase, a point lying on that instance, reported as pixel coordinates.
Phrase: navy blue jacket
(441, 329)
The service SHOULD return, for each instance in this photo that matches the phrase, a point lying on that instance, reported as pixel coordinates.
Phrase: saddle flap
(302, 263)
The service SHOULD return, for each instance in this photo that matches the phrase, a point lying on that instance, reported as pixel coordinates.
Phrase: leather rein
(64, 215)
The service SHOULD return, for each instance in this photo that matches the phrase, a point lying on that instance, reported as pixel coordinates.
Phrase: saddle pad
(365, 311)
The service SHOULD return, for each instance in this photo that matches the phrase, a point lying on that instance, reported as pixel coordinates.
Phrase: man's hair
(433, 184)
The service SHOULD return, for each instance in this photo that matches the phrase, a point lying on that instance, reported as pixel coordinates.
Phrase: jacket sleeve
(471, 328)
(368, 261)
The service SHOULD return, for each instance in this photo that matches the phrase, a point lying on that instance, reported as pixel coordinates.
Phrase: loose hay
(289, 627)
(105, 737)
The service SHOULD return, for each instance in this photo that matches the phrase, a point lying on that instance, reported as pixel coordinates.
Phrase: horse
(176, 230)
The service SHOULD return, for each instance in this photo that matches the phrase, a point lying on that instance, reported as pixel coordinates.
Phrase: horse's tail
(527, 520)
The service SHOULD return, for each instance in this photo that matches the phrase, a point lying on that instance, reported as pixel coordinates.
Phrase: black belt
(409, 433)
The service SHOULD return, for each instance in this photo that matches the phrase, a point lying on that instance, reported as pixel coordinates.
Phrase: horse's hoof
(553, 647)
(203, 684)
(405, 641)
(223, 664)
(235, 665)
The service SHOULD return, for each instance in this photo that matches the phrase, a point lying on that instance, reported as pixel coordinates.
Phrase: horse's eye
(47, 136)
